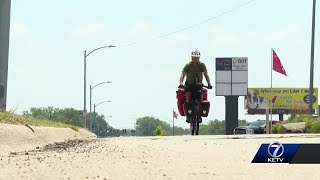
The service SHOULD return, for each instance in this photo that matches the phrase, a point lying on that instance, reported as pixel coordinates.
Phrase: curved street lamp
(85, 79)
(91, 88)
(94, 112)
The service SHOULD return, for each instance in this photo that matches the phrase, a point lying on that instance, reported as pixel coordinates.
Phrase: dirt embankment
(15, 138)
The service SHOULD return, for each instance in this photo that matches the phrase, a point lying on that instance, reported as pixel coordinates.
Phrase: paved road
(183, 157)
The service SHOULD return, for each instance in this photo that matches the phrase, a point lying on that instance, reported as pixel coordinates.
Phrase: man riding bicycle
(193, 70)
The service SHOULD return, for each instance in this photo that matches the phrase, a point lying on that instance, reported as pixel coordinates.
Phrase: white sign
(231, 76)
(240, 63)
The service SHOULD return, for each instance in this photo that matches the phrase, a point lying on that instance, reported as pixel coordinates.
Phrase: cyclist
(193, 70)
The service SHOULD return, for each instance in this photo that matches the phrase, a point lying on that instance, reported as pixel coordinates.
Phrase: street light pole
(5, 12)
(85, 79)
(312, 58)
(93, 88)
(94, 110)
(85, 87)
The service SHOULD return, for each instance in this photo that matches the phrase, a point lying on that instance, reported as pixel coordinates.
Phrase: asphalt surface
(179, 157)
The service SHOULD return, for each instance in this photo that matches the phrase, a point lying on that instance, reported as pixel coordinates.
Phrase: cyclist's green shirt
(191, 70)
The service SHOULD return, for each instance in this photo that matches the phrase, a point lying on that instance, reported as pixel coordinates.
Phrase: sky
(153, 43)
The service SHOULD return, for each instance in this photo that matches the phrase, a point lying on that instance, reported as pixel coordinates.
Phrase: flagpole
(271, 92)
(173, 121)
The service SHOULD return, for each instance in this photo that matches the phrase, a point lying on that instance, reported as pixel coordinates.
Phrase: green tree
(179, 131)
(99, 125)
(159, 131)
(145, 125)
(216, 127)
(74, 117)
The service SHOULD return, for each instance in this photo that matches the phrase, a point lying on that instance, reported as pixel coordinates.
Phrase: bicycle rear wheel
(192, 127)
(197, 128)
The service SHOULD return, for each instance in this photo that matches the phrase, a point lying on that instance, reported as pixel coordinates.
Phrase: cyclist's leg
(188, 104)
(188, 95)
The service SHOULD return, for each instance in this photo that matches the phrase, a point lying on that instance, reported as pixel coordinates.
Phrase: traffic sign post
(231, 82)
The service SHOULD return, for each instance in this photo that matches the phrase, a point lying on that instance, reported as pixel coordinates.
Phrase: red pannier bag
(204, 108)
(205, 105)
(204, 94)
(181, 97)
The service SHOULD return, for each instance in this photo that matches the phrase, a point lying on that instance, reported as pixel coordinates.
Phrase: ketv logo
(275, 150)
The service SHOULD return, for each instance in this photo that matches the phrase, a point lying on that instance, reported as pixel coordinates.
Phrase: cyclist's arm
(205, 73)
(181, 78)
(183, 74)
(207, 77)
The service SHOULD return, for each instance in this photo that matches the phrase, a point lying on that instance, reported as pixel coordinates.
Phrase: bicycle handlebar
(202, 85)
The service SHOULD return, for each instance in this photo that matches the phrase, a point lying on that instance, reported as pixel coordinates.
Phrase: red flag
(277, 65)
(175, 115)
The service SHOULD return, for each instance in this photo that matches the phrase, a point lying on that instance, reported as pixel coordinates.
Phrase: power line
(191, 26)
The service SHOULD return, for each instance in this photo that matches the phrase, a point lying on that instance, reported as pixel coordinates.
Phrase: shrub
(159, 131)
(276, 129)
(313, 126)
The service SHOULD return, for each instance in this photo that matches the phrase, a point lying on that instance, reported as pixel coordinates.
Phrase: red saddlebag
(205, 108)
(181, 98)
(204, 94)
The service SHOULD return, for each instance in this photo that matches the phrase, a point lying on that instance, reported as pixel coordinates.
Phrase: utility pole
(312, 58)
(5, 8)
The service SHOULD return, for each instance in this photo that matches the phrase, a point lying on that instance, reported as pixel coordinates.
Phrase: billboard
(284, 100)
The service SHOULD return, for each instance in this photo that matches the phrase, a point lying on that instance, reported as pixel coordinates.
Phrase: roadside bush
(299, 118)
(159, 131)
(313, 126)
(276, 129)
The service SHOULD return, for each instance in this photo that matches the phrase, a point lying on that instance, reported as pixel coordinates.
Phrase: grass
(11, 118)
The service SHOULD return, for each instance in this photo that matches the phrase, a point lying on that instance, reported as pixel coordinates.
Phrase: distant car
(243, 130)
(257, 126)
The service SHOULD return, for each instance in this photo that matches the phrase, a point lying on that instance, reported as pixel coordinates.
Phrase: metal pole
(91, 88)
(90, 118)
(85, 86)
(271, 91)
(5, 7)
(267, 121)
(90, 98)
(312, 58)
(173, 124)
(94, 114)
